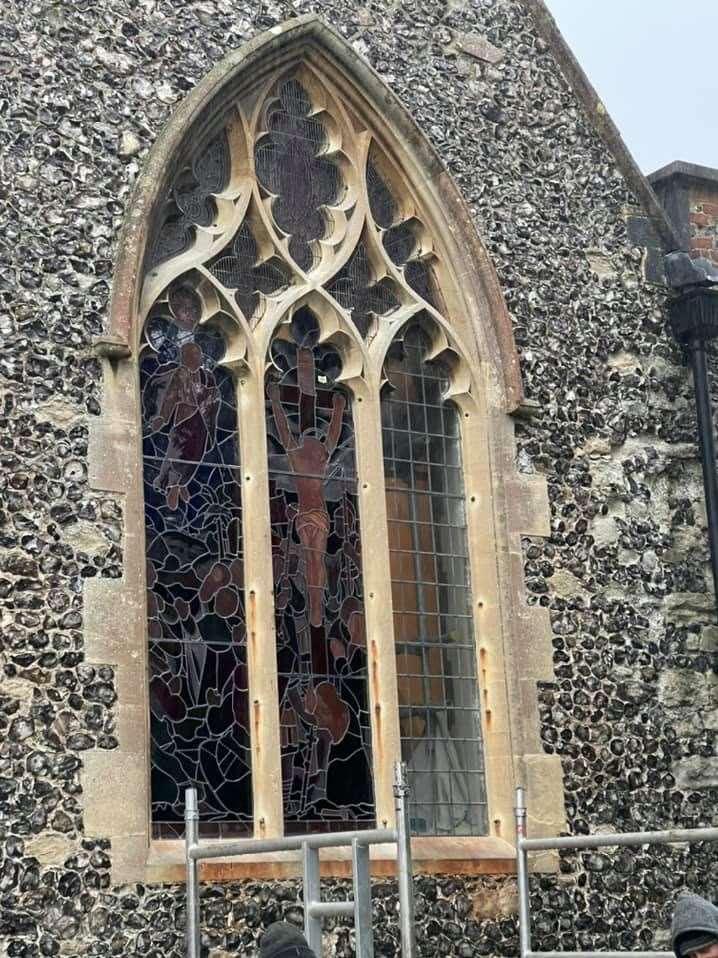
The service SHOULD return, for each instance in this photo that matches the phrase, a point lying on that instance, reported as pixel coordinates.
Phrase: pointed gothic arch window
(321, 357)
(277, 203)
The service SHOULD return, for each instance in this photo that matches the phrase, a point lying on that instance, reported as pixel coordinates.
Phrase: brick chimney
(689, 195)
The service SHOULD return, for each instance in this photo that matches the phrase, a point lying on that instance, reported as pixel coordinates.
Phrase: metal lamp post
(694, 320)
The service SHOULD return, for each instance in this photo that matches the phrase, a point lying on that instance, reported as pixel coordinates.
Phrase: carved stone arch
(202, 111)
(335, 329)
(515, 642)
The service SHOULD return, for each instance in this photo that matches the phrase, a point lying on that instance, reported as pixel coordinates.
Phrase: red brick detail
(711, 209)
(703, 242)
(700, 219)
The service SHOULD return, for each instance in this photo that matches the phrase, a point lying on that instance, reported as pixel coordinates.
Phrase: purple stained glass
(193, 525)
(291, 166)
(239, 268)
(316, 553)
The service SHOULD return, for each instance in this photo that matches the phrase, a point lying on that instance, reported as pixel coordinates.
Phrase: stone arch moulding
(514, 641)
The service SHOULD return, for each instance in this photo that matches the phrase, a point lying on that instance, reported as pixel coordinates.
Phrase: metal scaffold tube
(524, 845)
(404, 864)
(191, 824)
(314, 908)
(522, 874)
(257, 846)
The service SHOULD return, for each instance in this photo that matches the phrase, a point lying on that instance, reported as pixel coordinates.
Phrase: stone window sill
(431, 856)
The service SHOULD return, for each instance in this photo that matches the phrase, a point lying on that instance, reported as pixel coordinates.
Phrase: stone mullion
(488, 634)
(259, 603)
(376, 572)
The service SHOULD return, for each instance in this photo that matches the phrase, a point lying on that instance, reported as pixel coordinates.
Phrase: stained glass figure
(193, 524)
(435, 653)
(292, 167)
(356, 289)
(316, 551)
(240, 268)
(189, 203)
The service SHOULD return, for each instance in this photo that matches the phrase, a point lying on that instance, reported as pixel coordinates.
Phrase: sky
(654, 63)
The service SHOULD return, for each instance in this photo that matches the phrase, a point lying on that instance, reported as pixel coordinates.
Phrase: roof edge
(602, 122)
(690, 171)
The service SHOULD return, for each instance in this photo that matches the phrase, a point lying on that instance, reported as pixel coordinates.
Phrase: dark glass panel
(382, 204)
(356, 289)
(291, 165)
(436, 659)
(193, 525)
(316, 550)
(238, 267)
(189, 202)
(400, 235)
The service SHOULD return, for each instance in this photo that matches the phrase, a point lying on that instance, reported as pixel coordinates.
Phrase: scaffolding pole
(524, 845)
(314, 908)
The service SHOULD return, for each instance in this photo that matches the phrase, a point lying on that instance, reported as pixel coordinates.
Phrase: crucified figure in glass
(309, 456)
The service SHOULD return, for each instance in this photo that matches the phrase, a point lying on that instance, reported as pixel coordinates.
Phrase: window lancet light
(293, 244)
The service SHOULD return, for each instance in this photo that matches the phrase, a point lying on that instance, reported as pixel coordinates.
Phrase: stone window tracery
(288, 255)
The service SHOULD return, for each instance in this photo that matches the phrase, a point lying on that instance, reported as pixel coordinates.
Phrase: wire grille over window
(291, 167)
(435, 651)
(239, 268)
(356, 289)
(400, 235)
(382, 204)
(190, 202)
(193, 524)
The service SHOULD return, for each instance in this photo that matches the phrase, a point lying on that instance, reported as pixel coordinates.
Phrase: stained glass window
(316, 553)
(284, 199)
(191, 202)
(239, 268)
(435, 651)
(358, 291)
(193, 525)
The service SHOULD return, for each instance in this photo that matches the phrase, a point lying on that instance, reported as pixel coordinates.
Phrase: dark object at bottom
(282, 940)
(695, 925)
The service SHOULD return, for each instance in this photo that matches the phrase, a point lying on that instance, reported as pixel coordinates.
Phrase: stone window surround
(514, 650)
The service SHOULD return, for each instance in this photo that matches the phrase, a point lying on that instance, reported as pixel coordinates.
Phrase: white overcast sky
(654, 63)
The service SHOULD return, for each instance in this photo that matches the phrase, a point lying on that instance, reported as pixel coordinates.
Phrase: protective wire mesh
(291, 165)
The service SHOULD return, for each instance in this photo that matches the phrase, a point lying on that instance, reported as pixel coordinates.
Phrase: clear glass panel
(436, 662)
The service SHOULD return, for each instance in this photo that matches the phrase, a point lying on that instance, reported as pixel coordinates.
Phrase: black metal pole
(696, 348)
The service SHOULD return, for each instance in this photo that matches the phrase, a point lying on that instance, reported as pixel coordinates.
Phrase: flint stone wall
(86, 87)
